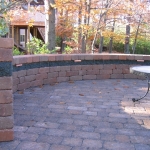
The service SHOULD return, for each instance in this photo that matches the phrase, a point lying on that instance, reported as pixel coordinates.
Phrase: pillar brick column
(6, 84)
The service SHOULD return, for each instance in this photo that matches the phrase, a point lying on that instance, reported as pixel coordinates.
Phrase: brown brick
(15, 75)
(59, 57)
(65, 68)
(67, 57)
(6, 110)
(121, 66)
(72, 73)
(6, 83)
(6, 135)
(29, 58)
(109, 66)
(146, 57)
(23, 86)
(114, 57)
(88, 57)
(76, 67)
(54, 69)
(74, 57)
(36, 83)
(21, 80)
(15, 88)
(130, 76)
(106, 71)
(44, 70)
(122, 57)
(35, 58)
(81, 57)
(32, 71)
(51, 58)
(6, 55)
(125, 71)
(103, 76)
(130, 57)
(62, 79)
(6, 42)
(6, 122)
(44, 57)
(53, 75)
(62, 74)
(50, 81)
(86, 67)
(97, 57)
(29, 78)
(92, 72)
(15, 81)
(6, 96)
(20, 60)
(97, 67)
(41, 76)
(82, 72)
(105, 57)
(138, 57)
(73, 78)
(22, 73)
(117, 71)
(116, 76)
(89, 77)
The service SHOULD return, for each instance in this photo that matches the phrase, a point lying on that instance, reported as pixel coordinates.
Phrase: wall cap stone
(6, 43)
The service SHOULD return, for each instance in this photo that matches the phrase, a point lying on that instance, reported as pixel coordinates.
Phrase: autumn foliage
(82, 23)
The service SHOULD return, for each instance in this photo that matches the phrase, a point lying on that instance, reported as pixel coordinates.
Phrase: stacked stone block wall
(6, 96)
(36, 70)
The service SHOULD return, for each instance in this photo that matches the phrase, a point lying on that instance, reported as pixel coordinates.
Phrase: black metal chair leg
(134, 100)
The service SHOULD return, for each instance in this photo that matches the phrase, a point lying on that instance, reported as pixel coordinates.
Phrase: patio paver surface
(82, 115)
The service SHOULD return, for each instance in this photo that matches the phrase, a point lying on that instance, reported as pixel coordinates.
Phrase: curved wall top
(36, 70)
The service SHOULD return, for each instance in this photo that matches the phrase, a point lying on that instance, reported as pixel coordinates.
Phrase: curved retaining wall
(36, 70)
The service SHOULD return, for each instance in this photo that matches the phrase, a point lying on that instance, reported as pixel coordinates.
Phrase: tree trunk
(111, 38)
(84, 35)
(101, 44)
(127, 40)
(83, 44)
(110, 44)
(62, 45)
(79, 29)
(50, 25)
(135, 40)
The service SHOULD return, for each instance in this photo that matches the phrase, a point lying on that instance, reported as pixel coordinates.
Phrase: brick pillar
(6, 84)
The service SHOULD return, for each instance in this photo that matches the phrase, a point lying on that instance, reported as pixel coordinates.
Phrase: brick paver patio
(82, 115)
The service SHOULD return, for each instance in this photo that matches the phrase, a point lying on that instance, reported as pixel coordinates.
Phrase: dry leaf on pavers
(114, 83)
(40, 86)
(116, 89)
(71, 81)
(21, 92)
(81, 94)
(89, 102)
(62, 103)
(125, 87)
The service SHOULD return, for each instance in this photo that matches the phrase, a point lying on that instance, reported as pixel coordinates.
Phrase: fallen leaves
(81, 94)
(21, 92)
(71, 81)
(62, 103)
